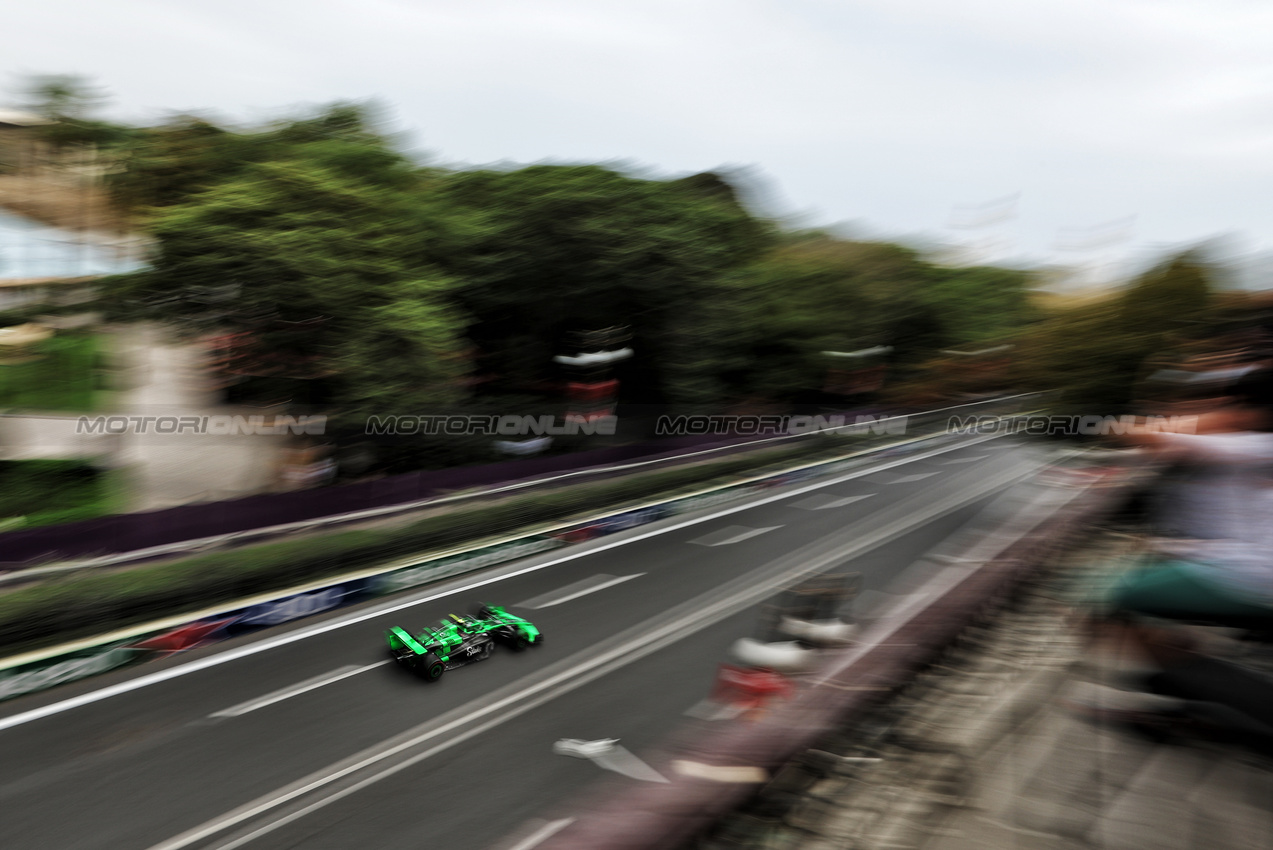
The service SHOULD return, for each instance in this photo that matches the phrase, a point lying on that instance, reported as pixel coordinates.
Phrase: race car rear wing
(399, 637)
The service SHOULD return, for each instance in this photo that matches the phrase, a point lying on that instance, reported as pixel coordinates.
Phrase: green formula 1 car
(460, 640)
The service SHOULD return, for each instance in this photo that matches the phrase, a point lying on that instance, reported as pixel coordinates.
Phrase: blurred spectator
(1214, 562)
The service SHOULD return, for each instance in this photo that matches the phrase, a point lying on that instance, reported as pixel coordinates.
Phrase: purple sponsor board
(279, 611)
(631, 519)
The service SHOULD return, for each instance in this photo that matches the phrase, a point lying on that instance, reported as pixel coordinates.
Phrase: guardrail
(140, 536)
(712, 772)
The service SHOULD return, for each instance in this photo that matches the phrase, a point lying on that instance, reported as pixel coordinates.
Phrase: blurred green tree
(1092, 354)
(322, 258)
(762, 333)
(1168, 298)
(551, 249)
(169, 163)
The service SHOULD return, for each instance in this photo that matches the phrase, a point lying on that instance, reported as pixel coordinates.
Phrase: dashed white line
(297, 689)
(918, 476)
(732, 534)
(574, 591)
(823, 501)
(846, 500)
(542, 834)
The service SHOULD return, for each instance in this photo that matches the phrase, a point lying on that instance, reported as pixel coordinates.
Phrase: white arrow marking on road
(581, 749)
(620, 760)
(606, 753)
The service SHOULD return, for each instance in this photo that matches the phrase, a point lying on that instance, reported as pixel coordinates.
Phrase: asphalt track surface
(304, 737)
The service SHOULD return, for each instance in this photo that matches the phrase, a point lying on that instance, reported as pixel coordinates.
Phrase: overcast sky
(1079, 130)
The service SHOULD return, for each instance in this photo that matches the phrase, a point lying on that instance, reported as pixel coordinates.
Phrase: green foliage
(550, 249)
(46, 492)
(1171, 297)
(979, 304)
(328, 271)
(60, 373)
(1093, 353)
(168, 164)
(164, 165)
(762, 332)
(1085, 355)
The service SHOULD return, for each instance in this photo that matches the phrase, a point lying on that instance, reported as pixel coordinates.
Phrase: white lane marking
(964, 459)
(625, 648)
(846, 500)
(918, 476)
(814, 503)
(542, 834)
(378, 611)
(575, 590)
(297, 689)
(822, 502)
(731, 534)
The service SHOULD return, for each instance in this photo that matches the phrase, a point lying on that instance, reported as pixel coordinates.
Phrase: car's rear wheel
(431, 668)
